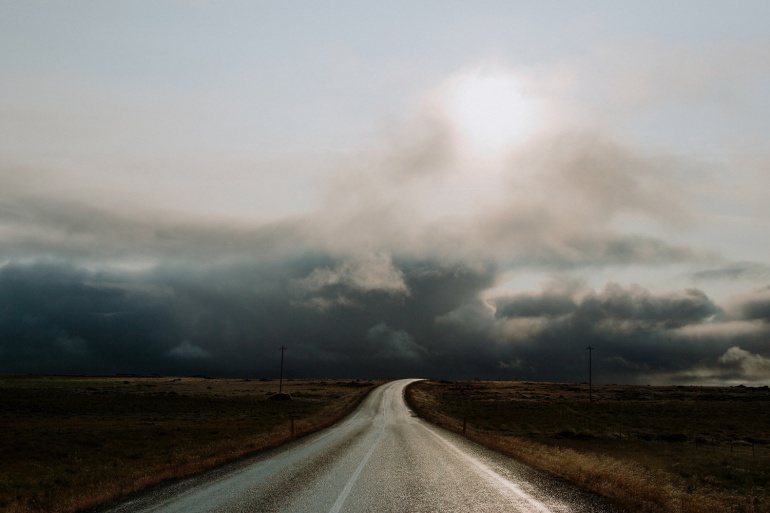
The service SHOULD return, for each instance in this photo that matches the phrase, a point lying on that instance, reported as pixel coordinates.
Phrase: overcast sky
(393, 189)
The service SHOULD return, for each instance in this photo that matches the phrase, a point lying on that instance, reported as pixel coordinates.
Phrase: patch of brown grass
(617, 445)
(68, 443)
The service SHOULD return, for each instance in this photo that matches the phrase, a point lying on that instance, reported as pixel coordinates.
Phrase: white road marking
(353, 478)
(491, 474)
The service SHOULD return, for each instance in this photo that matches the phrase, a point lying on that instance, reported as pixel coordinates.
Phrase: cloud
(186, 350)
(596, 176)
(735, 367)
(402, 316)
(134, 320)
(558, 204)
(393, 275)
(754, 305)
(735, 356)
(394, 344)
(396, 271)
(511, 364)
(71, 345)
(528, 305)
(725, 331)
(735, 271)
(636, 333)
(346, 313)
(326, 287)
(633, 304)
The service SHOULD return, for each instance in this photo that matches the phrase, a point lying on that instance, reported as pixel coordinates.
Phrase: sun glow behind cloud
(492, 110)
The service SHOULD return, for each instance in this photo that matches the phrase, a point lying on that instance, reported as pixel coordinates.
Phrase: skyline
(388, 190)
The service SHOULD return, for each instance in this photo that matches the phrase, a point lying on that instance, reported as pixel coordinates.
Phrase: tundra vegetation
(650, 449)
(69, 443)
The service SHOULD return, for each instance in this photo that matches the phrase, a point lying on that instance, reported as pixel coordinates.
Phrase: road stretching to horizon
(382, 458)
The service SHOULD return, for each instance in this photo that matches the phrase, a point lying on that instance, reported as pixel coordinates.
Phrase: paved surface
(381, 459)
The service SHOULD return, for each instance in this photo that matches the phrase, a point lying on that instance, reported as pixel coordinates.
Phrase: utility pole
(590, 377)
(280, 382)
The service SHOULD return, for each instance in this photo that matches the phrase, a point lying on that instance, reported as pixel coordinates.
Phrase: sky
(436, 189)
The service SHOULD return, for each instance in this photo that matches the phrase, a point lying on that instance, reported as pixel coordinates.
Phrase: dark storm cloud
(225, 320)
(54, 318)
(404, 318)
(394, 344)
(615, 304)
(529, 305)
(638, 336)
(636, 304)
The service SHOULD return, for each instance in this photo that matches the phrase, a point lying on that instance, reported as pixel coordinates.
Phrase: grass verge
(650, 449)
(70, 443)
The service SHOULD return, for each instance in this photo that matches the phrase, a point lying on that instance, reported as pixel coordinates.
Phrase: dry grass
(651, 449)
(68, 443)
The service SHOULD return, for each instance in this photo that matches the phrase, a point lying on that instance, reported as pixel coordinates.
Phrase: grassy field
(651, 449)
(68, 443)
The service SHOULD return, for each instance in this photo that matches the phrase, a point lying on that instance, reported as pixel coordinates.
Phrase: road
(380, 459)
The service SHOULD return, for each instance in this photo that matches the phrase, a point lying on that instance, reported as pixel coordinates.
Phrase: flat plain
(68, 443)
(651, 449)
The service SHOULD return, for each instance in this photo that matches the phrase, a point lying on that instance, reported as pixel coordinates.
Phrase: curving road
(380, 459)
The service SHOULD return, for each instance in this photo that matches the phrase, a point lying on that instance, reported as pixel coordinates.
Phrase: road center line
(352, 481)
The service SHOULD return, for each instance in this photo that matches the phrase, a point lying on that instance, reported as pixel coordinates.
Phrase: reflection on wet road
(381, 459)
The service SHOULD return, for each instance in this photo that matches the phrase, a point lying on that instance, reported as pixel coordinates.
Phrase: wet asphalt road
(380, 459)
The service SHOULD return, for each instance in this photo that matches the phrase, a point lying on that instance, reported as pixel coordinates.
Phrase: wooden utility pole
(280, 382)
